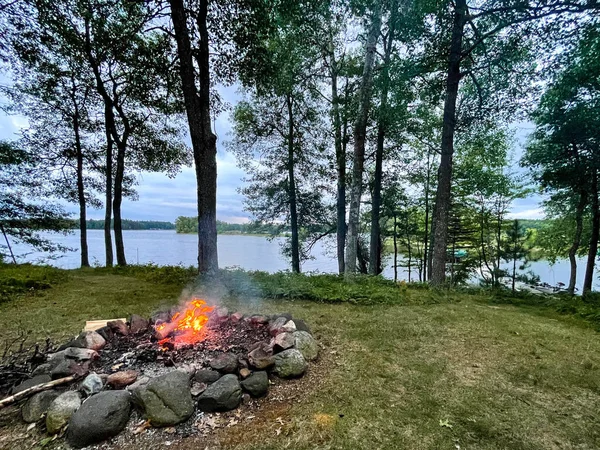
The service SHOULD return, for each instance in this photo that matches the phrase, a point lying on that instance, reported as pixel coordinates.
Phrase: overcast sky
(163, 198)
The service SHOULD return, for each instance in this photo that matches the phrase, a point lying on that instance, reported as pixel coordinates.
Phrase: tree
(563, 155)
(487, 38)
(516, 249)
(277, 140)
(360, 131)
(22, 215)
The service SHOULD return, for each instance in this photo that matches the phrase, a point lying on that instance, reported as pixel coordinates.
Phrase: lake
(165, 247)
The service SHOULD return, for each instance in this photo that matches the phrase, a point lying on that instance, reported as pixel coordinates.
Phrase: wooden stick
(35, 389)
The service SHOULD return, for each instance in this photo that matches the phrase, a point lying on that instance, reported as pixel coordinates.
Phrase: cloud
(536, 213)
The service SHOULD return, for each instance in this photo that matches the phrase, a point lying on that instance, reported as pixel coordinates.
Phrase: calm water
(246, 252)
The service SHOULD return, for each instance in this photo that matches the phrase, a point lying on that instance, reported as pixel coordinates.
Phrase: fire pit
(178, 365)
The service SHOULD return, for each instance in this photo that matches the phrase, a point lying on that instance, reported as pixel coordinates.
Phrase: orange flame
(187, 326)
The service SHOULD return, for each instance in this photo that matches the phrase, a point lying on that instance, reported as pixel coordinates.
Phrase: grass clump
(24, 278)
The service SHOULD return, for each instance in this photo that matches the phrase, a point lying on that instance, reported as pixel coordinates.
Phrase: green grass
(401, 367)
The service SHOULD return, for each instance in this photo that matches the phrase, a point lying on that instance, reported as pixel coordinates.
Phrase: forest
(371, 124)
(189, 225)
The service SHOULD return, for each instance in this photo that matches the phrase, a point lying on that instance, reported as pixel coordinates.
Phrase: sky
(164, 198)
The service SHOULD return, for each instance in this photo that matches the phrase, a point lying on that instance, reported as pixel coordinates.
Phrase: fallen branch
(35, 389)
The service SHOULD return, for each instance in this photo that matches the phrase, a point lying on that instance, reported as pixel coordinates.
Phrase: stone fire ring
(165, 391)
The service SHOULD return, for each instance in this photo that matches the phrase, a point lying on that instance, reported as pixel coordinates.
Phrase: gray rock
(61, 409)
(91, 340)
(38, 405)
(225, 363)
(206, 376)
(256, 384)
(220, 315)
(301, 325)
(79, 354)
(260, 358)
(37, 379)
(166, 400)
(281, 325)
(224, 394)
(92, 384)
(68, 367)
(288, 316)
(289, 364)
(102, 416)
(198, 388)
(282, 341)
(138, 324)
(276, 325)
(306, 344)
(42, 369)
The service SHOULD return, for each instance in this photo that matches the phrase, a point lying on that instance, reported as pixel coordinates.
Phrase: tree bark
(204, 142)
(360, 131)
(426, 236)
(576, 241)
(395, 247)
(292, 188)
(375, 242)
(85, 262)
(593, 247)
(108, 194)
(340, 158)
(117, 200)
(443, 197)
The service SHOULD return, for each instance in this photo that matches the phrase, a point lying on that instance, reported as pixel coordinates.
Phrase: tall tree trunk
(375, 247)
(292, 188)
(360, 131)
(426, 237)
(340, 158)
(204, 142)
(593, 247)
(108, 249)
(395, 247)
(85, 262)
(576, 241)
(442, 199)
(117, 200)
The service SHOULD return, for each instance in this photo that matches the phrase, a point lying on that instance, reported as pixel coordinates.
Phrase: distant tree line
(129, 225)
(190, 224)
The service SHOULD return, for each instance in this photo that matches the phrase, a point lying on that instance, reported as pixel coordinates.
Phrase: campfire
(172, 370)
(187, 326)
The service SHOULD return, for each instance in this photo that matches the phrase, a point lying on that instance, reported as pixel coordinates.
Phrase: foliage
(22, 212)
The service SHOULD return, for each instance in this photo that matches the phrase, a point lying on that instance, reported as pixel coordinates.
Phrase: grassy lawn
(416, 369)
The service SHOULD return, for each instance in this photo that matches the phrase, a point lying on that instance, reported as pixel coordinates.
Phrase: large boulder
(289, 364)
(306, 344)
(166, 400)
(38, 405)
(225, 363)
(223, 395)
(256, 384)
(61, 409)
(31, 382)
(99, 418)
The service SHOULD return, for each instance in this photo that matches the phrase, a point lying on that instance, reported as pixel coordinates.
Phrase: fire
(187, 326)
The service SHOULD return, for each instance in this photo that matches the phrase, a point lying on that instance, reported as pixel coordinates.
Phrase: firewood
(35, 389)
(93, 325)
